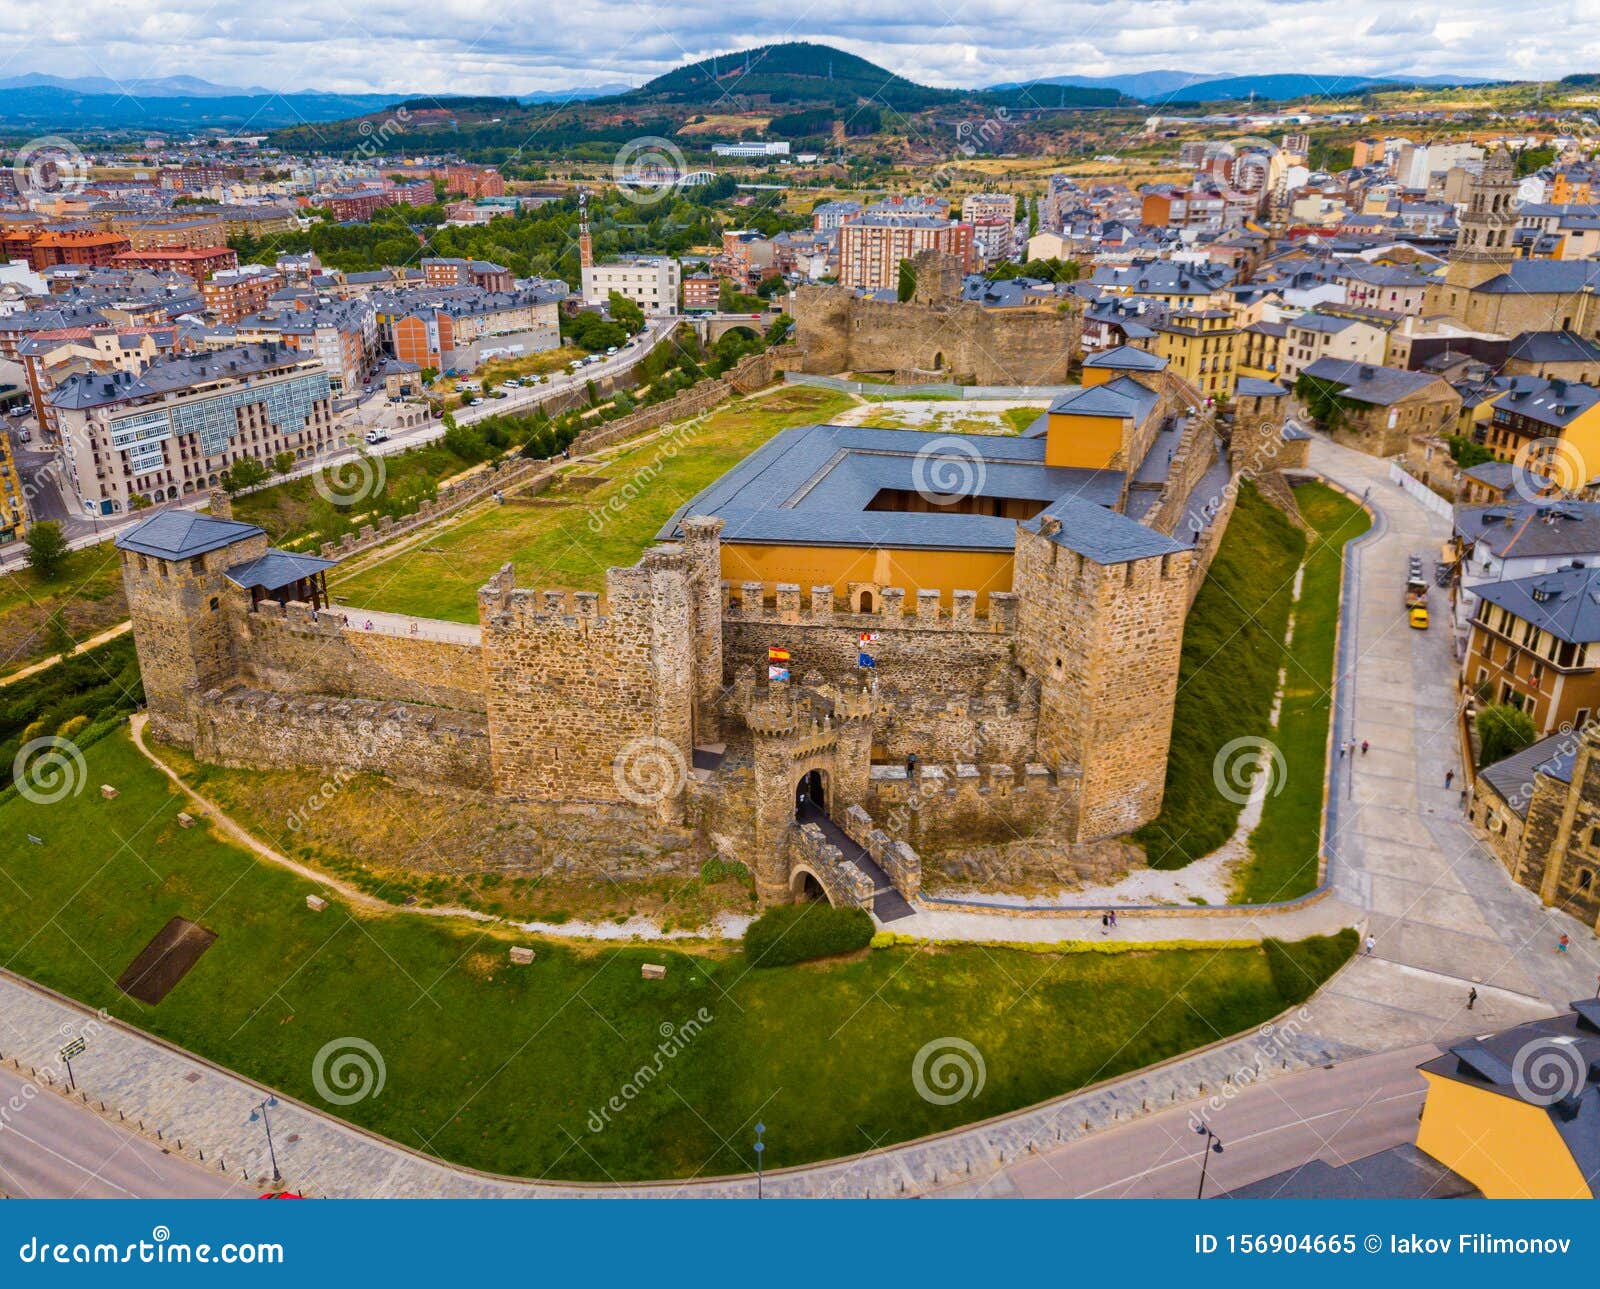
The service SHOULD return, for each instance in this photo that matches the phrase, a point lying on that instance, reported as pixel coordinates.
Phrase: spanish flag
(775, 654)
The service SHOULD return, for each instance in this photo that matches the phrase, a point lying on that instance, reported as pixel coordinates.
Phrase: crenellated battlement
(784, 603)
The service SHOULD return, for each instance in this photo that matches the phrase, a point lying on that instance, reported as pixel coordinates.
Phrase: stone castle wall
(839, 331)
(421, 746)
(285, 648)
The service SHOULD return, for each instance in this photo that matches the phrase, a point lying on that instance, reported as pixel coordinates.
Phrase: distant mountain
(1196, 87)
(55, 107)
(160, 87)
(796, 72)
(579, 94)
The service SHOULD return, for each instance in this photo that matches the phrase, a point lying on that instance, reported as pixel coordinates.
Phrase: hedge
(800, 932)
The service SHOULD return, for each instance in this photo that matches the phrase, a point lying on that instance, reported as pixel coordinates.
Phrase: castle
(841, 602)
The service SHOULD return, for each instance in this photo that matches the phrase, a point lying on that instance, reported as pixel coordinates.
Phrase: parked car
(611, 350)
(474, 402)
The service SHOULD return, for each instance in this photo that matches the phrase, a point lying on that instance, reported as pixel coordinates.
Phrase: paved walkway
(1444, 914)
(403, 624)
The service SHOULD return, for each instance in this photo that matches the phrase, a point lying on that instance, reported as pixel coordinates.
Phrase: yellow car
(1419, 618)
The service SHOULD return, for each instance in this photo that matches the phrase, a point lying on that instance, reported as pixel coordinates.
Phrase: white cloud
(489, 46)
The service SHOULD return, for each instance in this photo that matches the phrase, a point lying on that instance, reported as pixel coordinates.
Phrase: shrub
(71, 726)
(1502, 730)
(800, 932)
(1300, 967)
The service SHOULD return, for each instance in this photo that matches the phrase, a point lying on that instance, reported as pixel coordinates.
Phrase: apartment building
(235, 293)
(483, 274)
(1313, 336)
(175, 427)
(49, 357)
(341, 334)
(174, 234)
(650, 281)
(196, 263)
(872, 246)
(1534, 644)
(988, 205)
(460, 329)
(475, 181)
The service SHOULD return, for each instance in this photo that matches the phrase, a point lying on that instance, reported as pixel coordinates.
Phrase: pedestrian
(1105, 924)
(367, 626)
(1363, 747)
(911, 765)
(1371, 944)
(413, 627)
(1343, 748)
(1563, 943)
(1463, 798)
(1449, 777)
(1472, 997)
(1113, 918)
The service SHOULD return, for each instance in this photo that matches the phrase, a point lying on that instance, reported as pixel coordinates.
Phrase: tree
(1502, 730)
(47, 550)
(283, 462)
(1033, 215)
(244, 473)
(1466, 453)
(625, 312)
(907, 286)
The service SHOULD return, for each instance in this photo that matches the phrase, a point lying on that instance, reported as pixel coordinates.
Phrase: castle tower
(1484, 246)
(938, 275)
(173, 569)
(1103, 641)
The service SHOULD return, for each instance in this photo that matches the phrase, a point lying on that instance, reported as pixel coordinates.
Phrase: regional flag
(869, 637)
(866, 660)
(775, 654)
(777, 673)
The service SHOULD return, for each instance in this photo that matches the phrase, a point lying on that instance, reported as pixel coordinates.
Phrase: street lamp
(760, 1150)
(1213, 1143)
(260, 1112)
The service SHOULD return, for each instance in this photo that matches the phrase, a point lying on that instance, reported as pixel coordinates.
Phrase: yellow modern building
(1518, 1113)
(13, 505)
(1201, 345)
(1546, 423)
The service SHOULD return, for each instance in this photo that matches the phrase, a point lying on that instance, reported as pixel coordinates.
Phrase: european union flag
(866, 660)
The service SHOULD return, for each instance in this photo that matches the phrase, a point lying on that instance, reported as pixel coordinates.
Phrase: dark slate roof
(1292, 433)
(1400, 1172)
(1552, 347)
(182, 534)
(1494, 474)
(1123, 398)
(1366, 383)
(1252, 387)
(1548, 400)
(812, 484)
(1512, 777)
(1544, 277)
(1127, 358)
(1504, 1064)
(1565, 602)
(276, 569)
(99, 389)
(1514, 529)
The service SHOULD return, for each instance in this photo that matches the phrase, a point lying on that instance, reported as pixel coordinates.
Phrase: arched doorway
(806, 888)
(866, 602)
(810, 795)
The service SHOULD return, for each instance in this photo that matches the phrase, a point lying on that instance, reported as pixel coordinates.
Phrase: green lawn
(85, 598)
(512, 1069)
(572, 544)
(1284, 845)
(1232, 653)
(1232, 649)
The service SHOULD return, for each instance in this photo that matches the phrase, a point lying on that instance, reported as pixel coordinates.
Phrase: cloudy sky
(520, 46)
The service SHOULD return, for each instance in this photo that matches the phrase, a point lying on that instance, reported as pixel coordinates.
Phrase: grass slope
(1284, 845)
(1232, 648)
(514, 1069)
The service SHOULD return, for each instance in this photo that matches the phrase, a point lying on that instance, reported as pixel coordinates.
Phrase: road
(1338, 1115)
(53, 1149)
(45, 485)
